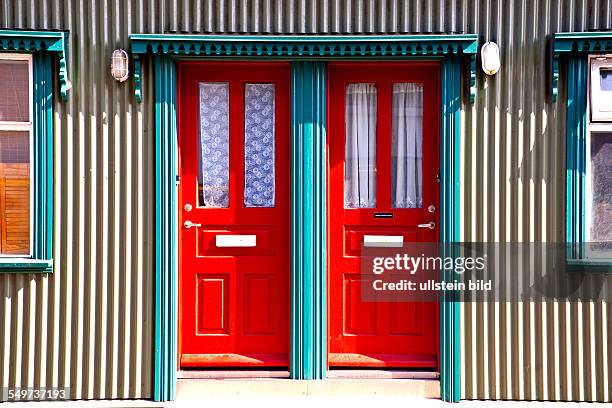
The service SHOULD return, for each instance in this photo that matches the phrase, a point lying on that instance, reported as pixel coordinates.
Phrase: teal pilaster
(166, 230)
(577, 78)
(43, 156)
(450, 331)
(308, 248)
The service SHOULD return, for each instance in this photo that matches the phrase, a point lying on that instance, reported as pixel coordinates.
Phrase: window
(214, 145)
(360, 148)
(601, 88)
(15, 154)
(28, 62)
(26, 162)
(407, 146)
(259, 138)
(598, 160)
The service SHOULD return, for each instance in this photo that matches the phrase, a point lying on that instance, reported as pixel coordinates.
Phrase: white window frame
(24, 126)
(595, 124)
(598, 101)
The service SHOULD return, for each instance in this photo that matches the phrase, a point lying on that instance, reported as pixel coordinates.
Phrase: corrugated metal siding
(89, 325)
(514, 190)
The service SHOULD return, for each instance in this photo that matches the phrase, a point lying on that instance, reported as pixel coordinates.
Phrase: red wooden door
(383, 181)
(234, 197)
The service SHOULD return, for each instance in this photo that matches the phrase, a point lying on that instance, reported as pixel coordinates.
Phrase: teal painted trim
(26, 265)
(40, 41)
(41, 260)
(166, 230)
(137, 79)
(299, 47)
(324, 45)
(589, 265)
(473, 79)
(308, 353)
(577, 78)
(450, 331)
(307, 47)
(591, 41)
(577, 43)
(43, 156)
(555, 77)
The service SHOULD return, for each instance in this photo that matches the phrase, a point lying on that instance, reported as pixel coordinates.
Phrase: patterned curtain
(259, 145)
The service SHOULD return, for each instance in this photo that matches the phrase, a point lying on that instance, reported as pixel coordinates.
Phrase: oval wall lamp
(119, 65)
(489, 55)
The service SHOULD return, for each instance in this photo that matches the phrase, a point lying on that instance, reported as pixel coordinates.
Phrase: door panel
(234, 194)
(383, 184)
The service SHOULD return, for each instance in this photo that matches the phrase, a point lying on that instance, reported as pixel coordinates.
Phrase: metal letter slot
(385, 241)
(232, 241)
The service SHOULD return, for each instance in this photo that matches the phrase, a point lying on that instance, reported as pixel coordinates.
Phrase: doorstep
(192, 388)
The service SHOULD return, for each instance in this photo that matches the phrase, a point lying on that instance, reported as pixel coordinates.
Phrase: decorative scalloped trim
(305, 47)
(300, 50)
(577, 42)
(40, 41)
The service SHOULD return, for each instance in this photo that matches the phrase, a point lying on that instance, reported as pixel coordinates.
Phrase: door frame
(428, 64)
(308, 160)
(220, 64)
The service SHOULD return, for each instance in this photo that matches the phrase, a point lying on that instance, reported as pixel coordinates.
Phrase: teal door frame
(308, 56)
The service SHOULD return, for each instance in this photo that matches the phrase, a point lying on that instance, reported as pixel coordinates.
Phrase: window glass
(214, 145)
(605, 79)
(259, 145)
(407, 146)
(360, 147)
(601, 187)
(15, 100)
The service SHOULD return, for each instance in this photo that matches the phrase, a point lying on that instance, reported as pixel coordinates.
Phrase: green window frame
(43, 47)
(573, 51)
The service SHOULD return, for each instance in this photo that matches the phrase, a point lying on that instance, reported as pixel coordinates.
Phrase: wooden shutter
(14, 208)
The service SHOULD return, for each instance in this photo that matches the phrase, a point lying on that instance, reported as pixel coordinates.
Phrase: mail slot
(385, 241)
(225, 241)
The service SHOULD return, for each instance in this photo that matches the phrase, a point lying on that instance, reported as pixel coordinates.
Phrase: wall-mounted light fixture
(120, 65)
(489, 55)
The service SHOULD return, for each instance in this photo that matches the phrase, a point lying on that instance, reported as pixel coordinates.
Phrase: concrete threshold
(355, 374)
(196, 389)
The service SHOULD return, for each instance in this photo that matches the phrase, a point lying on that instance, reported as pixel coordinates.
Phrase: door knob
(430, 225)
(189, 224)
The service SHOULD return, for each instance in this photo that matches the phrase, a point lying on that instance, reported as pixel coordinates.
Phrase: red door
(383, 182)
(234, 197)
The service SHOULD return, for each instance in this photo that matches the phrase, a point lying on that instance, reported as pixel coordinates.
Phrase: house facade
(202, 214)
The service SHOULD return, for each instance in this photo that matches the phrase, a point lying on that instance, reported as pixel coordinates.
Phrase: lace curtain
(360, 153)
(407, 146)
(214, 144)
